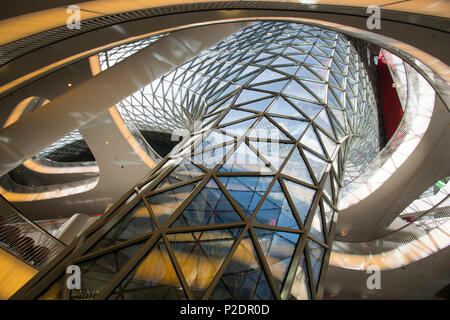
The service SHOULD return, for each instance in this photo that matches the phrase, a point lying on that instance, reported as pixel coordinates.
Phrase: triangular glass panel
(209, 119)
(278, 248)
(335, 67)
(272, 86)
(300, 287)
(329, 144)
(304, 73)
(340, 96)
(340, 116)
(275, 210)
(282, 107)
(324, 60)
(210, 206)
(322, 72)
(212, 139)
(97, 272)
(244, 81)
(301, 196)
(231, 88)
(154, 278)
(244, 159)
(328, 211)
(137, 222)
(316, 229)
(239, 128)
(336, 169)
(316, 50)
(327, 189)
(317, 164)
(246, 191)
(324, 122)
(250, 95)
(298, 91)
(340, 79)
(308, 108)
(332, 80)
(316, 253)
(249, 68)
(249, 71)
(211, 158)
(341, 66)
(296, 168)
(260, 105)
(339, 130)
(219, 105)
(294, 51)
(310, 140)
(274, 152)
(200, 255)
(263, 59)
(294, 127)
(234, 115)
(164, 204)
(267, 130)
(318, 88)
(282, 61)
(290, 71)
(243, 278)
(331, 99)
(267, 75)
(310, 60)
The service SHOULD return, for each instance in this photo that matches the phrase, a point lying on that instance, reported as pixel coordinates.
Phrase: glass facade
(243, 207)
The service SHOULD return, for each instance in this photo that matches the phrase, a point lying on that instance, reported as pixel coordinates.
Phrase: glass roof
(269, 113)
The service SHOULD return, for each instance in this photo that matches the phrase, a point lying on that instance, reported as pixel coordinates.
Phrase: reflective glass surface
(267, 115)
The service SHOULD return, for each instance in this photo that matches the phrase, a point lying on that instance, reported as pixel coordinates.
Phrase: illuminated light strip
(60, 192)
(68, 60)
(94, 62)
(18, 111)
(434, 64)
(35, 22)
(34, 166)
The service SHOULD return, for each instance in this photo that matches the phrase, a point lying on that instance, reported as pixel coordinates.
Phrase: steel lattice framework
(70, 148)
(243, 207)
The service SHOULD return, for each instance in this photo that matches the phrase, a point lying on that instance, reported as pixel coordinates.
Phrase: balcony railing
(24, 239)
(427, 222)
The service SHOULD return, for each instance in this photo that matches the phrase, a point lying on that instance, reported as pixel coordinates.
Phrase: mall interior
(225, 150)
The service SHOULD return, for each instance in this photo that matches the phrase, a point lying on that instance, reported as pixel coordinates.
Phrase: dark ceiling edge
(15, 49)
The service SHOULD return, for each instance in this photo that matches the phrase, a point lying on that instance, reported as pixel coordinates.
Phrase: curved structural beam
(26, 25)
(44, 165)
(427, 32)
(72, 110)
(405, 254)
(149, 158)
(418, 162)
